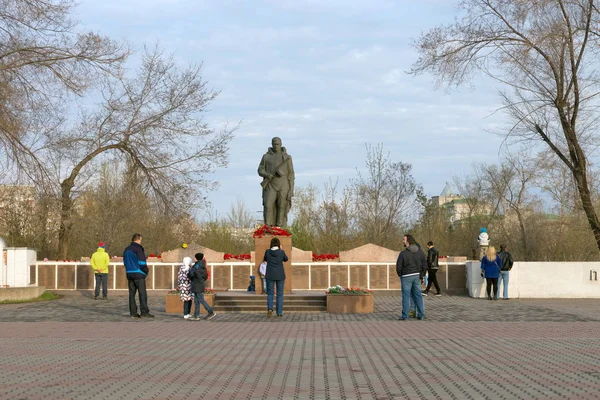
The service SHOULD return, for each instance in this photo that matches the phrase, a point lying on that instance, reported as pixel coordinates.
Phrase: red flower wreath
(270, 230)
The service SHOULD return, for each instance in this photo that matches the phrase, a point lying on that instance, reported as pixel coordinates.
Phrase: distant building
(457, 206)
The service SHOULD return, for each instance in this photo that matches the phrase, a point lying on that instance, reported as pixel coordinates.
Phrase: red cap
(101, 244)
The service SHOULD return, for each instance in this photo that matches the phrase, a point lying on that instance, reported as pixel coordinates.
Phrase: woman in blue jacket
(275, 275)
(490, 269)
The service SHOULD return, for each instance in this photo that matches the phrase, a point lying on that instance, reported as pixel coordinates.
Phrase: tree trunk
(523, 235)
(587, 204)
(65, 218)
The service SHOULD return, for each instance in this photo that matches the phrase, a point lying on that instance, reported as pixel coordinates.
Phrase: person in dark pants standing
(275, 273)
(136, 269)
(432, 268)
(490, 270)
(99, 262)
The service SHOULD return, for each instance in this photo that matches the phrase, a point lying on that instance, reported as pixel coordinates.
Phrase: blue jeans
(503, 278)
(199, 299)
(411, 290)
(279, 300)
(264, 284)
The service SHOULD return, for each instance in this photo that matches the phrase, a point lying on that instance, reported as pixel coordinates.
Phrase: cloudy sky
(327, 76)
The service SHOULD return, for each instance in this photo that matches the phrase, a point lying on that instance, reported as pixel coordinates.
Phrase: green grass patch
(46, 296)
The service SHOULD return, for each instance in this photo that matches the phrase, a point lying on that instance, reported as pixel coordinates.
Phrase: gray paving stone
(78, 348)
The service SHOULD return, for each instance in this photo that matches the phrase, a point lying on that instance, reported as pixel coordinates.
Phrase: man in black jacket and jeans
(507, 264)
(410, 267)
(432, 269)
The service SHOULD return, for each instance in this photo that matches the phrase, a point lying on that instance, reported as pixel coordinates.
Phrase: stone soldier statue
(277, 171)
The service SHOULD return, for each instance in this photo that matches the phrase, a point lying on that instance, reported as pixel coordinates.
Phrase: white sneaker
(186, 316)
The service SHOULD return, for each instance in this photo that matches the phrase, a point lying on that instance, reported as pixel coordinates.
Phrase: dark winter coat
(432, 258)
(275, 260)
(134, 260)
(198, 275)
(411, 261)
(507, 261)
(491, 269)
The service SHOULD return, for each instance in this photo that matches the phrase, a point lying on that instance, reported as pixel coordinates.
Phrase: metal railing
(174, 268)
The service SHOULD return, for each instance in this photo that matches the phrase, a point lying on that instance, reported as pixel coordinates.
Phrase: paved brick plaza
(78, 348)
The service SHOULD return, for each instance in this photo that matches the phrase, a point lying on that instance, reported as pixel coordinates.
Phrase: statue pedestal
(482, 251)
(261, 244)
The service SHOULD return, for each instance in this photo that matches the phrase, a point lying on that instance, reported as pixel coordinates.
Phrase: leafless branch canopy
(545, 53)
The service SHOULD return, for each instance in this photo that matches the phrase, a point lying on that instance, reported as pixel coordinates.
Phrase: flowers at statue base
(184, 246)
(270, 230)
(324, 257)
(349, 290)
(241, 257)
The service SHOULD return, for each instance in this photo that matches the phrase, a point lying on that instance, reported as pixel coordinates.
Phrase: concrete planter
(174, 305)
(350, 303)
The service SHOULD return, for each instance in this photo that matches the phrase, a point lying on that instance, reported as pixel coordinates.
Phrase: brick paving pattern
(78, 348)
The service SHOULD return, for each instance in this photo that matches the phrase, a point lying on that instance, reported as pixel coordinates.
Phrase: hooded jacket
(134, 260)
(183, 281)
(411, 261)
(275, 257)
(198, 275)
(100, 261)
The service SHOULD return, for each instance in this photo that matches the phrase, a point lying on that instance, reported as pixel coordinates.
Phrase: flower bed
(325, 257)
(240, 257)
(341, 300)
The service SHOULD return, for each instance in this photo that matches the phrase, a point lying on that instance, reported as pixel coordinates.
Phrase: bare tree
(511, 182)
(152, 121)
(384, 197)
(239, 216)
(546, 53)
(43, 56)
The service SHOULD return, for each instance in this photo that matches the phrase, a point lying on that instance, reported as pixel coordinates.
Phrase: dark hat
(199, 256)
(101, 244)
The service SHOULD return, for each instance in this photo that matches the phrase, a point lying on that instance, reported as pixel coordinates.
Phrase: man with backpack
(199, 275)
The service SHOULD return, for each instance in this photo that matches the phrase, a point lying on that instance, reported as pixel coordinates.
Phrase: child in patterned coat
(185, 287)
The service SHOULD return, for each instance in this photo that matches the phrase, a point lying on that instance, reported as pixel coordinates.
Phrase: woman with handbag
(490, 269)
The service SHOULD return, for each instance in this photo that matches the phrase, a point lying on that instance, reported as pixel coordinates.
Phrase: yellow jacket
(99, 261)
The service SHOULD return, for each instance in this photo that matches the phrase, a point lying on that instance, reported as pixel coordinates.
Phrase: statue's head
(483, 230)
(276, 143)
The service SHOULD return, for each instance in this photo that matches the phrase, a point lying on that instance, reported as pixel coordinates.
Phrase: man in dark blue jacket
(136, 269)
(410, 267)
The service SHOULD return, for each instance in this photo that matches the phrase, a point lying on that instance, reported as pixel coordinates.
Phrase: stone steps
(257, 303)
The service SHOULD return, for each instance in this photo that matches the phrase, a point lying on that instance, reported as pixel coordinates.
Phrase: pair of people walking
(191, 281)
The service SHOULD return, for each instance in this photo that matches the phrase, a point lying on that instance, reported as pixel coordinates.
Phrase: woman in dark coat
(198, 275)
(275, 275)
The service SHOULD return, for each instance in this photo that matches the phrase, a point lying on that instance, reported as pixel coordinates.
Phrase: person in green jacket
(99, 263)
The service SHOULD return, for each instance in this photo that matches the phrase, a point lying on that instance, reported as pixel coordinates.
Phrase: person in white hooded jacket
(185, 287)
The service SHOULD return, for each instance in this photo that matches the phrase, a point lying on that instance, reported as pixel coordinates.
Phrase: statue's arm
(262, 169)
(291, 177)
